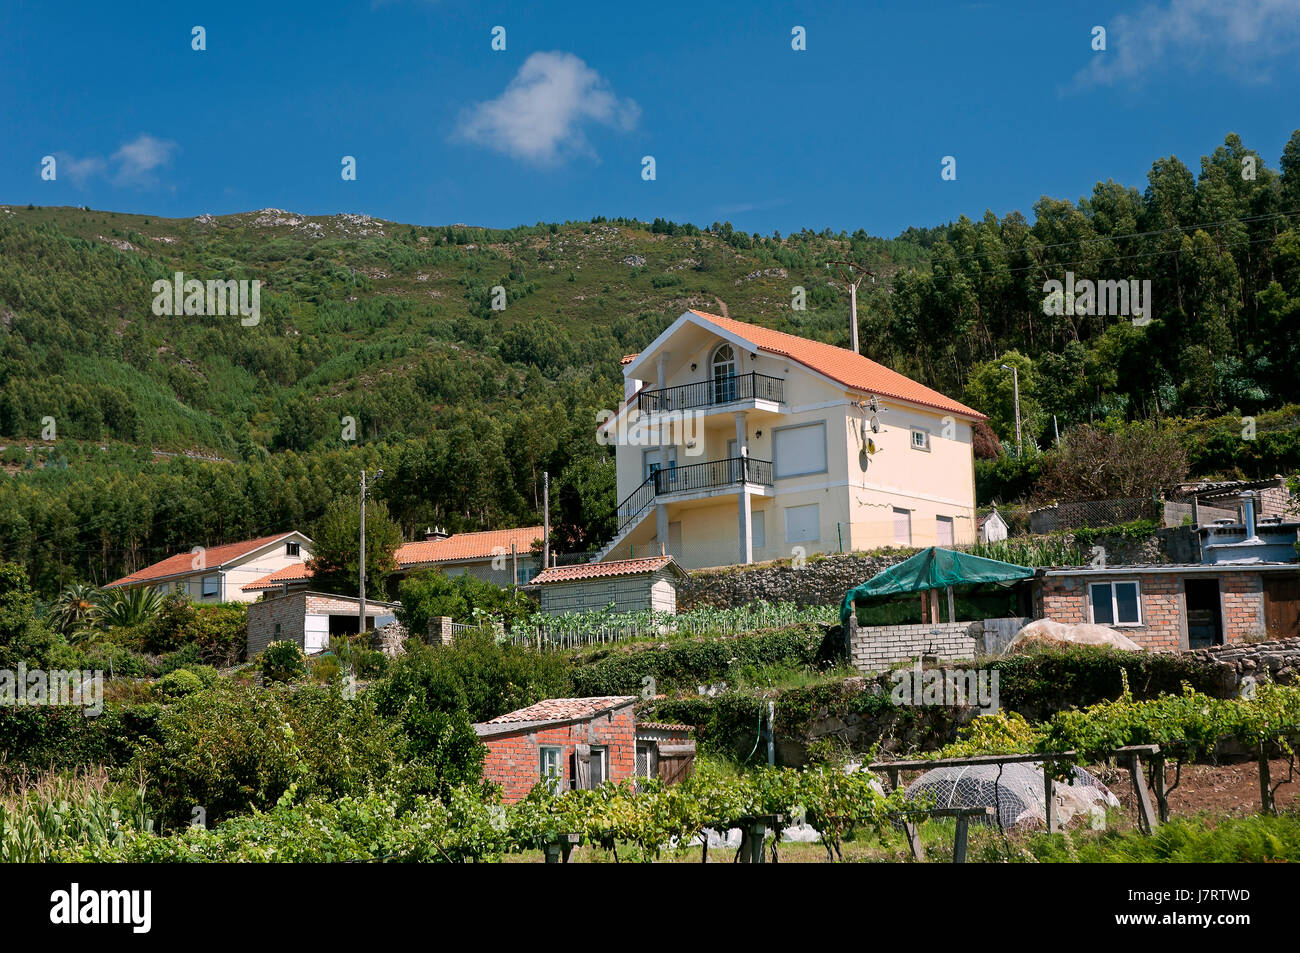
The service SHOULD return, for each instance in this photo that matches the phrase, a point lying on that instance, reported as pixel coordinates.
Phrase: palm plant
(75, 607)
(129, 607)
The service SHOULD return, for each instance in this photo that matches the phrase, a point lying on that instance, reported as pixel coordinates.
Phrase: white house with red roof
(736, 443)
(222, 573)
(502, 556)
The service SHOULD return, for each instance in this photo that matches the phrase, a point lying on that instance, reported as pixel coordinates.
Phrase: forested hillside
(175, 431)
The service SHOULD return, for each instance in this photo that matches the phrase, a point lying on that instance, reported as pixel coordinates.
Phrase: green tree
(336, 553)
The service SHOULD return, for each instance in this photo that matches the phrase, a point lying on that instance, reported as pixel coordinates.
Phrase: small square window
(291, 549)
(551, 769)
(1115, 603)
(920, 439)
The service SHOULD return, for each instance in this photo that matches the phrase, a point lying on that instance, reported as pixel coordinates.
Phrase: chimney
(1248, 515)
(434, 532)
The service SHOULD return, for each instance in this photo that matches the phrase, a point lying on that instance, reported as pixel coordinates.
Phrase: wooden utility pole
(361, 588)
(846, 269)
(546, 519)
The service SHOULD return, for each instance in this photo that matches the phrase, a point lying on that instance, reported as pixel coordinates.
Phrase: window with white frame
(647, 757)
(599, 767)
(920, 438)
(1115, 603)
(551, 767)
(799, 450)
(211, 587)
(291, 549)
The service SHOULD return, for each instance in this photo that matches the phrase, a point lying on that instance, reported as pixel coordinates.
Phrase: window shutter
(582, 767)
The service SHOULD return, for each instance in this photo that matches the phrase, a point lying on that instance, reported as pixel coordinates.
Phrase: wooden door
(1282, 605)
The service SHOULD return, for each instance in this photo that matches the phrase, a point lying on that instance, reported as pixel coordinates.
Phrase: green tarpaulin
(932, 568)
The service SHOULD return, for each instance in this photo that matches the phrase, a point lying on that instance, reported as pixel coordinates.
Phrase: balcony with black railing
(715, 392)
(715, 474)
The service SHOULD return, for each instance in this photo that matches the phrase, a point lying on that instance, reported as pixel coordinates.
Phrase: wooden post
(909, 828)
(1047, 795)
(952, 606)
(1265, 782)
(1162, 795)
(1146, 815)
(934, 606)
(959, 845)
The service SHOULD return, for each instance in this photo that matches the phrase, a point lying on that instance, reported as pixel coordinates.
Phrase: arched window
(723, 367)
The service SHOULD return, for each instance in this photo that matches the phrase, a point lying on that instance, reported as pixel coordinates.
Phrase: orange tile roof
(482, 545)
(629, 358)
(617, 567)
(564, 709)
(841, 365)
(214, 557)
(298, 572)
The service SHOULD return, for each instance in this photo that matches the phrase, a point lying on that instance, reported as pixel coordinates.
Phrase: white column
(661, 365)
(661, 526)
(744, 528)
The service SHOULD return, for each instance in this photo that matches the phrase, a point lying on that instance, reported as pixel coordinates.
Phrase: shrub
(231, 748)
(178, 684)
(688, 664)
(282, 661)
(476, 674)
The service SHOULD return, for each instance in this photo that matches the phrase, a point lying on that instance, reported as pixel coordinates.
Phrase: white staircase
(622, 534)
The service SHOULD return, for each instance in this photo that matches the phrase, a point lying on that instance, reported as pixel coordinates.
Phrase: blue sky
(847, 134)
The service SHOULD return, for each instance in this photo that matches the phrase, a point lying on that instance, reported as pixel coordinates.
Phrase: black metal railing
(695, 476)
(711, 393)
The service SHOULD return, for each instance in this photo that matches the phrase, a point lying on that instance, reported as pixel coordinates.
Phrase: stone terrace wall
(824, 580)
(817, 582)
(1276, 661)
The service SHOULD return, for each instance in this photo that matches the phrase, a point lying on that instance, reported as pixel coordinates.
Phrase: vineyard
(578, 629)
(67, 821)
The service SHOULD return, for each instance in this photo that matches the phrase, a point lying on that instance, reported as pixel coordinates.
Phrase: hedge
(38, 738)
(689, 664)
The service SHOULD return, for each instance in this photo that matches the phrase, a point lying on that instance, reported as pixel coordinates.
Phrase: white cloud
(138, 159)
(540, 115)
(79, 171)
(1241, 37)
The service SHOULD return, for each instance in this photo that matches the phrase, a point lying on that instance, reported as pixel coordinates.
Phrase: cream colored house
(222, 573)
(739, 444)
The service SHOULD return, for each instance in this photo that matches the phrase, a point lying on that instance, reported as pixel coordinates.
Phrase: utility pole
(846, 269)
(365, 488)
(1015, 382)
(546, 519)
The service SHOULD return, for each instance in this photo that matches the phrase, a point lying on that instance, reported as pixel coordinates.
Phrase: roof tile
(841, 365)
(617, 567)
(214, 557)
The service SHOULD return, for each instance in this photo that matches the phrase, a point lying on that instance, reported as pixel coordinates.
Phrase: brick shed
(309, 618)
(580, 743)
(1176, 607)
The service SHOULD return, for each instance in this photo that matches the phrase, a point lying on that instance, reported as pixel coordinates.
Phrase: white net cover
(1015, 791)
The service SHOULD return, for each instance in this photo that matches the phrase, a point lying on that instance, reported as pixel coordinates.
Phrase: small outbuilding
(309, 619)
(631, 585)
(992, 527)
(578, 744)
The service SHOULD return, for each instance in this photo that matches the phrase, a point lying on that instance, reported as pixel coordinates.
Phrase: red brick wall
(1064, 599)
(514, 760)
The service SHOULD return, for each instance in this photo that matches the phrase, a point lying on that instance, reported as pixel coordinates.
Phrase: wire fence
(1093, 514)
